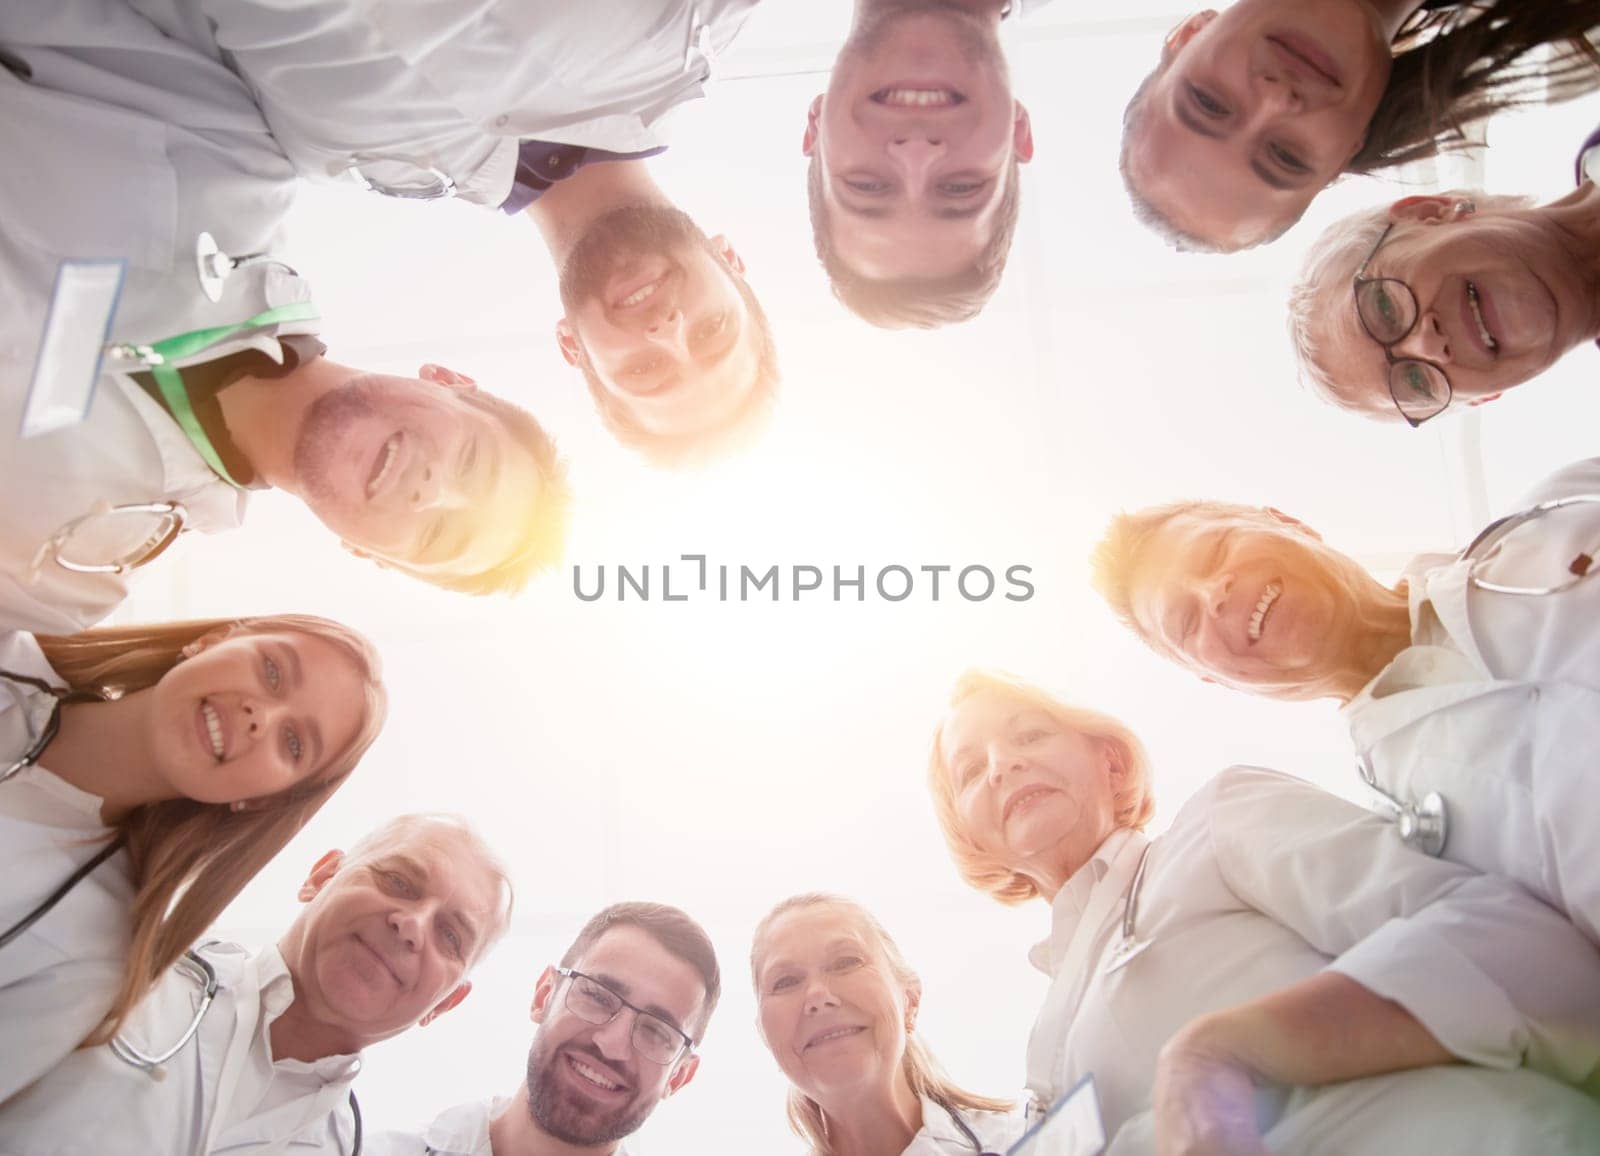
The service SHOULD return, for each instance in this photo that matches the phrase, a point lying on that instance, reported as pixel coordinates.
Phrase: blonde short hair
(1135, 804)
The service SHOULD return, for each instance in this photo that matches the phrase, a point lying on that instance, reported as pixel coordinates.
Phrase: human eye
(292, 743)
(596, 996)
(656, 1032)
(713, 326)
(847, 962)
(395, 882)
(1288, 159)
(469, 458)
(866, 185)
(1032, 735)
(271, 676)
(642, 368)
(970, 770)
(452, 938)
(1207, 103)
(961, 188)
(430, 537)
(783, 983)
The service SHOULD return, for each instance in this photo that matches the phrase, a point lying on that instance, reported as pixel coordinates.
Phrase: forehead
(979, 715)
(909, 239)
(806, 931)
(446, 863)
(645, 972)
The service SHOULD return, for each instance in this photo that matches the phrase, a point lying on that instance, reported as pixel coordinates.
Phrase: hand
(439, 375)
(1204, 1099)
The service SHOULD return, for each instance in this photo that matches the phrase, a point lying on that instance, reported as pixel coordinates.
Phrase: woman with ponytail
(160, 767)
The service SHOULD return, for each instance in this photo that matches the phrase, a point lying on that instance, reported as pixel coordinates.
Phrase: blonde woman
(1274, 939)
(838, 1010)
(155, 769)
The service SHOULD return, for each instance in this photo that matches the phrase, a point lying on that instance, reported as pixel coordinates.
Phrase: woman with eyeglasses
(1406, 311)
(837, 1007)
(1471, 687)
(1266, 973)
(1253, 111)
(149, 772)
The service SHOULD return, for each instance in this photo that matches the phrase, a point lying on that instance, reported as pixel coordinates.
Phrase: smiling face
(656, 311)
(386, 939)
(915, 138)
(831, 1009)
(1253, 111)
(1257, 603)
(416, 474)
(248, 715)
(1036, 795)
(1499, 299)
(586, 1084)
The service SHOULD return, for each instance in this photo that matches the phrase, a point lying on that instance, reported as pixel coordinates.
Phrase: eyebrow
(415, 868)
(1269, 177)
(618, 987)
(1194, 124)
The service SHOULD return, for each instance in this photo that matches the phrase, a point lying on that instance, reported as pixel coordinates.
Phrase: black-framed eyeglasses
(652, 1037)
(1387, 309)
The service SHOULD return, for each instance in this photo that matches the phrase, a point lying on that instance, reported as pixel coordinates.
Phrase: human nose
(819, 996)
(261, 716)
(1427, 341)
(667, 329)
(1214, 592)
(614, 1038)
(913, 154)
(1003, 760)
(410, 921)
(427, 488)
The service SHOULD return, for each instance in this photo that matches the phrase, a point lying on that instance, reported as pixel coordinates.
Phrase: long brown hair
(923, 1072)
(191, 859)
(1459, 64)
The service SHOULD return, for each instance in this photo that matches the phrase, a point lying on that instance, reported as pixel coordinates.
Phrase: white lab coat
(454, 85)
(131, 163)
(58, 978)
(221, 1094)
(1496, 705)
(1264, 880)
(939, 1135)
(462, 1130)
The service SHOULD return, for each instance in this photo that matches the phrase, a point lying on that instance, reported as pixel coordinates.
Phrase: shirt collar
(275, 989)
(464, 1129)
(1069, 904)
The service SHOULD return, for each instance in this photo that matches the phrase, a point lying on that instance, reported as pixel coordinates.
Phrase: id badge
(76, 329)
(1071, 1127)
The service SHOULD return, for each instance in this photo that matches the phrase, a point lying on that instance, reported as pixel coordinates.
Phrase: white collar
(268, 974)
(463, 1130)
(1067, 908)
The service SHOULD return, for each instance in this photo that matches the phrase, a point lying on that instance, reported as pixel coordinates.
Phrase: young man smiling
(383, 944)
(618, 1019)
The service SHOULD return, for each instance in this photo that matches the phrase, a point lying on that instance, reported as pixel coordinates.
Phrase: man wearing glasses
(1407, 310)
(618, 1024)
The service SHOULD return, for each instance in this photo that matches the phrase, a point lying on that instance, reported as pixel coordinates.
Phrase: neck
(263, 415)
(988, 9)
(104, 748)
(1391, 15)
(1576, 219)
(1051, 868)
(567, 209)
(514, 1132)
(875, 1120)
(1381, 632)
(298, 1035)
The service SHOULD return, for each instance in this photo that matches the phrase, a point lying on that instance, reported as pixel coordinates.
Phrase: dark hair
(1463, 63)
(547, 520)
(673, 930)
(713, 442)
(926, 302)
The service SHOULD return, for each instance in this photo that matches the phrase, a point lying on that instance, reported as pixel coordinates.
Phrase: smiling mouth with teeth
(1477, 315)
(918, 97)
(1264, 604)
(385, 462)
(213, 728)
(591, 1075)
(642, 294)
(835, 1034)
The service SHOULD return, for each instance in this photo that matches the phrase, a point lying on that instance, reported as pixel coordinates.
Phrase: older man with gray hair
(247, 1052)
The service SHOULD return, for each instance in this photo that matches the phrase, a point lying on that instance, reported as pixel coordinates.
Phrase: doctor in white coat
(1275, 942)
(384, 943)
(837, 1007)
(146, 774)
(180, 154)
(1487, 700)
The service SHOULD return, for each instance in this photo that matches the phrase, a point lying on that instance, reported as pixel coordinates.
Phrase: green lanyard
(158, 358)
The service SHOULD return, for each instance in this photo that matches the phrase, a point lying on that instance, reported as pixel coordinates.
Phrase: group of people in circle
(1277, 971)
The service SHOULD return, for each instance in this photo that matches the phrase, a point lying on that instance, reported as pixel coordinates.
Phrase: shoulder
(1581, 477)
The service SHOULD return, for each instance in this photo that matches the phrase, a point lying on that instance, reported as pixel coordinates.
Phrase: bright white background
(722, 756)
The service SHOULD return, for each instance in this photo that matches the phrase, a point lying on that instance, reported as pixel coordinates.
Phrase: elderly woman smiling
(838, 1008)
(1485, 699)
(1276, 938)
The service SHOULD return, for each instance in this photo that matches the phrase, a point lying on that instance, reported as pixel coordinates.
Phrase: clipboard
(1071, 1127)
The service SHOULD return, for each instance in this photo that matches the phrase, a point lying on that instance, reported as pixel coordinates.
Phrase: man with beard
(915, 148)
(384, 943)
(618, 1023)
(659, 319)
(541, 106)
(211, 381)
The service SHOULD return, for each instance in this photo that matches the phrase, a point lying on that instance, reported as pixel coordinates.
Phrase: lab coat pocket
(114, 194)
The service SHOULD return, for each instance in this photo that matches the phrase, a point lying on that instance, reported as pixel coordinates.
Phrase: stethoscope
(441, 186)
(966, 1129)
(1425, 824)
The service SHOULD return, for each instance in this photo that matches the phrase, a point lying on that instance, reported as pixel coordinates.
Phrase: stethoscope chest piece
(213, 267)
(1424, 826)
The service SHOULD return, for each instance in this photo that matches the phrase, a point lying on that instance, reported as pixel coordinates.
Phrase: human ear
(808, 142)
(684, 1073)
(728, 253)
(439, 375)
(356, 551)
(1178, 39)
(207, 640)
(1293, 523)
(1021, 134)
(567, 341)
(1431, 209)
(457, 994)
(542, 991)
(1481, 400)
(322, 872)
